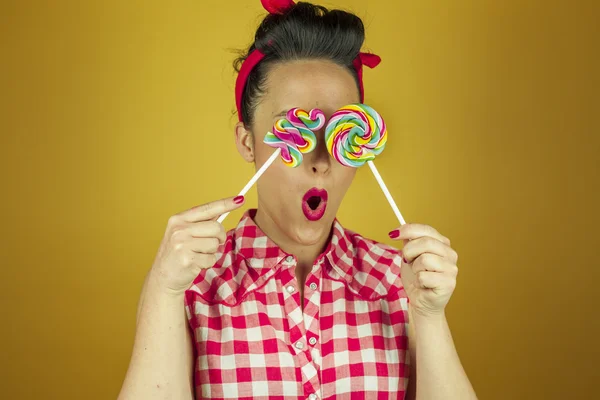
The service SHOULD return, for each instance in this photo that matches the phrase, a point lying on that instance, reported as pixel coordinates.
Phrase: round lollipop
(355, 135)
(292, 137)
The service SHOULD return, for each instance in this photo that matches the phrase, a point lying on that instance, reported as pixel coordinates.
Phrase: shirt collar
(261, 253)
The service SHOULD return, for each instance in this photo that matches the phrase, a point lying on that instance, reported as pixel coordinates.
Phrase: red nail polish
(404, 259)
(394, 234)
(238, 199)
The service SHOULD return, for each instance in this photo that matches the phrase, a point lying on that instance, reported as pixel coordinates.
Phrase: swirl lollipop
(294, 136)
(291, 137)
(355, 135)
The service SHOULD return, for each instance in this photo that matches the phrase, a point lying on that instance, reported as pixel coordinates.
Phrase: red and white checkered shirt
(252, 340)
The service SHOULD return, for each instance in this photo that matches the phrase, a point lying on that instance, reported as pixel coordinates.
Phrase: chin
(309, 233)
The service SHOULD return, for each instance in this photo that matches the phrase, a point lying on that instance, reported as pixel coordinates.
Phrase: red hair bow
(277, 6)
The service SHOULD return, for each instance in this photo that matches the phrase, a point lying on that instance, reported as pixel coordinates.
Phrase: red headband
(279, 7)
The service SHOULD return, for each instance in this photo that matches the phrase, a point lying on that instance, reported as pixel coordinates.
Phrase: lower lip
(314, 215)
(317, 214)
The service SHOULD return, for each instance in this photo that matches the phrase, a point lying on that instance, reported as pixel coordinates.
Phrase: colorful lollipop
(292, 137)
(355, 135)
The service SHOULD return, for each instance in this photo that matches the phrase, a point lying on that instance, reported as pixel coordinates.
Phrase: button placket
(311, 310)
(291, 295)
(298, 337)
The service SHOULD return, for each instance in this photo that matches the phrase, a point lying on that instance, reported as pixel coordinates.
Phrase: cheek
(344, 175)
(277, 173)
(261, 150)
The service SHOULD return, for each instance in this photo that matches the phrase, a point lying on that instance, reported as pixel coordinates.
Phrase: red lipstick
(314, 204)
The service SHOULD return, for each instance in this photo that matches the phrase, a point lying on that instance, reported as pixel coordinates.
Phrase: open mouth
(314, 204)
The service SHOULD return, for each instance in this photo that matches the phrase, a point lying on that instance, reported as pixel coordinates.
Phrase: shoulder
(375, 267)
(373, 253)
(225, 282)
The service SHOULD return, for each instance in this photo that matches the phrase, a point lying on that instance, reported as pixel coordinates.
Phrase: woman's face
(303, 201)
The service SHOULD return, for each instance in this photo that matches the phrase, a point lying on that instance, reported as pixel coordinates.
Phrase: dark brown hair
(305, 31)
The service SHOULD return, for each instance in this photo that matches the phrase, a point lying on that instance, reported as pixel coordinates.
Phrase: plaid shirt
(252, 339)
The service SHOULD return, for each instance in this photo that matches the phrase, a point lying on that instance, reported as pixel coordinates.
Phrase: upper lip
(315, 192)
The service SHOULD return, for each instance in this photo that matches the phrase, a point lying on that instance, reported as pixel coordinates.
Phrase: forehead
(308, 84)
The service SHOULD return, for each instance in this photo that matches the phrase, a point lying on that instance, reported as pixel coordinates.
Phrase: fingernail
(394, 234)
(238, 199)
(405, 262)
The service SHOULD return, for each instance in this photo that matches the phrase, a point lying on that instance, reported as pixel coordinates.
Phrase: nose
(319, 159)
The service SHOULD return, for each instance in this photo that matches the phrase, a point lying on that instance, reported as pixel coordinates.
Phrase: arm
(429, 270)
(162, 363)
(436, 370)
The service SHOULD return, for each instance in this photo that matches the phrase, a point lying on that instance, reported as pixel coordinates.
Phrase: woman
(289, 304)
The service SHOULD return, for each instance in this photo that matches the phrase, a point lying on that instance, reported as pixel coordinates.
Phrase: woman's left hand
(428, 269)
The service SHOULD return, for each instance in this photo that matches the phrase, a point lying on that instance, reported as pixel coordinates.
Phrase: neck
(305, 253)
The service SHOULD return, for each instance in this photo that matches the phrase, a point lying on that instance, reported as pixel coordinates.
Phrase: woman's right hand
(189, 245)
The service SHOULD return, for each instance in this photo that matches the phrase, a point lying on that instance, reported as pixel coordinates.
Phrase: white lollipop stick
(386, 192)
(252, 181)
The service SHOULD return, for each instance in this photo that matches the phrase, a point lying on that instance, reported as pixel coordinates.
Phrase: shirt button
(299, 345)
(289, 259)
(312, 397)
(290, 289)
(313, 286)
(312, 340)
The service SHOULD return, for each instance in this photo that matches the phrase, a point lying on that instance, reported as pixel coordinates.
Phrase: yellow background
(117, 114)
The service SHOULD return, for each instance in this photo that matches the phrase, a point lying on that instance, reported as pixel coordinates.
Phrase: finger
(207, 229)
(427, 244)
(211, 210)
(414, 231)
(430, 280)
(205, 245)
(428, 262)
(201, 260)
(434, 263)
